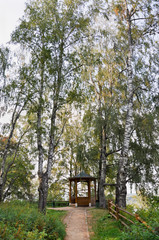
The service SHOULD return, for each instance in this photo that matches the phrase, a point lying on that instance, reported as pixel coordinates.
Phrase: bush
(21, 220)
(139, 231)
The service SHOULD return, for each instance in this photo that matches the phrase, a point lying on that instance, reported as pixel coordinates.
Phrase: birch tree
(137, 21)
(50, 30)
(103, 112)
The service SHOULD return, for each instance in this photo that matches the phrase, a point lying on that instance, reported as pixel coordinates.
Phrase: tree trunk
(71, 161)
(121, 190)
(44, 177)
(99, 176)
(1, 189)
(122, 169)
(102, 161)
(52, 140)
(102, 200)
(43, 181)
(43, 192)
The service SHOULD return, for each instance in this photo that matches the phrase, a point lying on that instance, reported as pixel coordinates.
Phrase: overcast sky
(10, 12)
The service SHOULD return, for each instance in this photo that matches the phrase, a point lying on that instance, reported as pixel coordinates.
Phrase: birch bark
(122, 171)
(102, 160)
(43, 181)
(45, 176)
(102, 200)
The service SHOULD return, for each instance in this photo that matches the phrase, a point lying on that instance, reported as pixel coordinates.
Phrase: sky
(10, 12)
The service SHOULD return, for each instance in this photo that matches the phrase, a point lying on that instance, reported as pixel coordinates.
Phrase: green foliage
(21, 220)
(145, 151)
(150, 215)
(152, 200)
(4, 54)
(19, 171)
(139, 231)
(56, 190)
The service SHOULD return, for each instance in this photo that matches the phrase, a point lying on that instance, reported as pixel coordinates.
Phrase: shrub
(139, 231)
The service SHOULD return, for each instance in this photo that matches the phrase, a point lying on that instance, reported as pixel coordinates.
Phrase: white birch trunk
(102, 200)
(122, 171)
(51, 141)
(43, 186)
(44, 177)
(102, 161)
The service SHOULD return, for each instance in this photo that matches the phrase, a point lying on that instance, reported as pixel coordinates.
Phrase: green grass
(107, 228)
(21, 220)
(104, 226)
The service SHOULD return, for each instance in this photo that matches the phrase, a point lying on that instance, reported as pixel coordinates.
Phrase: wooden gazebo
(78, 200)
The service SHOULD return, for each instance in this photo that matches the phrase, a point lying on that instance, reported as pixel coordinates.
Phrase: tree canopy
(82, 94)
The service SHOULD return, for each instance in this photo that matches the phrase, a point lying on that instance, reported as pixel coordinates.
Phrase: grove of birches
(79, 91)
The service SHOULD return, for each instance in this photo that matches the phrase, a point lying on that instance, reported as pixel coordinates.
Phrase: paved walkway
(76, 223)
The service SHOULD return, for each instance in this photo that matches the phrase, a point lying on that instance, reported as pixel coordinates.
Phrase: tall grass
(21, 220)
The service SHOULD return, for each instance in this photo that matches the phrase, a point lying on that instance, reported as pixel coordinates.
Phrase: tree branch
(136, 19)
(114, 151)
(60, 134)
(121, 72)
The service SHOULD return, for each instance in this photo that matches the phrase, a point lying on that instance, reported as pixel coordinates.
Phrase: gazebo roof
(82, 176)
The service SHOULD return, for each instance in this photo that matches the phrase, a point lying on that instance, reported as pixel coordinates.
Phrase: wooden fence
(118, 212)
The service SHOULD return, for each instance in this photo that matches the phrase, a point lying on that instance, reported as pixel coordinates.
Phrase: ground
(76, 223)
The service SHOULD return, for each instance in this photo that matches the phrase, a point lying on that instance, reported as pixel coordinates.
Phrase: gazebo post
(89, 193)
(70, 193)
(76, 204)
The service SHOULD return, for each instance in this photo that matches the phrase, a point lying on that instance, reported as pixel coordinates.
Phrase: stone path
(76, 223)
